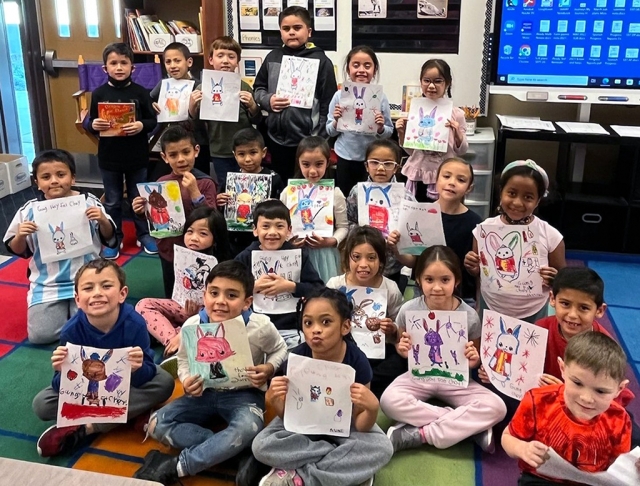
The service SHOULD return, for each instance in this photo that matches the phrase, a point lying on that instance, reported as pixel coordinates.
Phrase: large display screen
(568, 43)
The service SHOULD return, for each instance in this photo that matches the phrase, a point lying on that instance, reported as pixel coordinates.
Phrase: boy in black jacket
(272, 226)
(127, 156)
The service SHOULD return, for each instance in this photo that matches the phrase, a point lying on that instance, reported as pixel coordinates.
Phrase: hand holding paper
(58, 357)
(193, 385)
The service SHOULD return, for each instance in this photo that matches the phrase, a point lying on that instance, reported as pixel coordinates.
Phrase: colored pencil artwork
(311, 207)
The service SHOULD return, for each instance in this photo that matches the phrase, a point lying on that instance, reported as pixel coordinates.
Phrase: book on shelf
(141, 24)
(117, 114)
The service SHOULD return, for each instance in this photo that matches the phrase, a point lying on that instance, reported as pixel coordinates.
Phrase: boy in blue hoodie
(103, 321)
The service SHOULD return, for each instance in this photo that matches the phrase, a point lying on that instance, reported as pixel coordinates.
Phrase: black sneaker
(250, 470)
(159, 467)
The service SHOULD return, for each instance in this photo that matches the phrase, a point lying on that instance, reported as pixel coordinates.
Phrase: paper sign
(369, 306)
(438, 339)
(509, 260)
(287, 264)
(622, 472)
(249, 15)
(432, 9)
(270, 11)
(379, 205)
(219, 353)
(191, 269)
(94, 386)
(117, 114)
(64, 231)
(298, 3)
(426, 128)
(297, 80)
(174, 99)
(360, 102)
(246, 190)
(164, 211)
(512, 353)
(420, 226)
(324, 15)
(372, 9)
(311, 207)
(319, 398)
(220, 96)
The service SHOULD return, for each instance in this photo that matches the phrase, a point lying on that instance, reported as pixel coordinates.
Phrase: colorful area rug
(25, 369)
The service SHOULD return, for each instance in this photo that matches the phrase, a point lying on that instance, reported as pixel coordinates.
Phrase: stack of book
(141, 26)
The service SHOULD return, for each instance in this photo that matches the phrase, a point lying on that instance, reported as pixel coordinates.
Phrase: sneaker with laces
(170, 365)
(56, 440)
(282, 477)
(404, 436)
(148, 244)
(485, 441)
(159, 467)
(110, 253)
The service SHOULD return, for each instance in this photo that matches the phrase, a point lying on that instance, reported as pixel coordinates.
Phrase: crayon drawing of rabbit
(158, 213)
(57, 235)
(174, 96)
(507, 345)
(359, 104)
(433, 339)
(425, 126)
(296, 73)
(213, 349)
(216, 92)
(379, 204)
(359, 315)
(94, 370)
(415, 234)
(304, 207)
(506, 253)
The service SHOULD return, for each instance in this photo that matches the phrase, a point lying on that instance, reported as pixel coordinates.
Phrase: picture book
(117, 114)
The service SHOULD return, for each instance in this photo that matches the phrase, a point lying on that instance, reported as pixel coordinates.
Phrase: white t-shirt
(394, 297)
(520, 306)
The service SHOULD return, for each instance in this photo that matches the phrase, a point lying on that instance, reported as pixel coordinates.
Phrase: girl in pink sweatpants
(469, 412)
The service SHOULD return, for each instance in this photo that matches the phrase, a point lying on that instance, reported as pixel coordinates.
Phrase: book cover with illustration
(117, 114)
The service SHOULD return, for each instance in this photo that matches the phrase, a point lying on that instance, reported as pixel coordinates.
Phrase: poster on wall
(270, 11)
(324, 13)
(372, 9)
(249, 15)
(432, 9)
(220, 96)
(360, 103)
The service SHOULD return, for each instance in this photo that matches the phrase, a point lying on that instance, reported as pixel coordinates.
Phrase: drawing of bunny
(506, 256)
(305, 204)
(425, 126)
(295, 73)
(359, 104)
(379, 204)
(57, 235)
(174, 94)
(433, 339)
(359, 316)
(213, 349)
(94, 370)
(415, 235)
(157, 213)
(216, 91)
(507, 345)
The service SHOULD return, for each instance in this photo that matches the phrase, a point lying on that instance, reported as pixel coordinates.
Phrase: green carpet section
(144, 278)
(25, 450)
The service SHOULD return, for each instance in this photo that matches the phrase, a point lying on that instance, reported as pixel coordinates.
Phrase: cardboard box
(192, 41)
(4, 180)
(14, 172)
(157, 42)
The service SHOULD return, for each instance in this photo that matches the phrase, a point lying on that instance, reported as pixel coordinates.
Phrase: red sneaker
(56, 440)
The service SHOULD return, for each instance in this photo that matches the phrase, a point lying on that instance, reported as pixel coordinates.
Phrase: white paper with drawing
(220, 96)
(164, 209)
(438, 339)
(369, 306)
(311, 207)
(319, 397)
(420, 226)
(372, 9)
(622, 472)
(219, 353)
(287, 264)
(64, 231)
(94, 386)
(512, 353)
(297, 80)
(191, 269)
(379, 205)
(360, 102)
(509, 260)
(245, 191)
(426, 128)
(174, 99)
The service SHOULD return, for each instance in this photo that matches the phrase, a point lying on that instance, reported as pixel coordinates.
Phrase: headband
(532, 165)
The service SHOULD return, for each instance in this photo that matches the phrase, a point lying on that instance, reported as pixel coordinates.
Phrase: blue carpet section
(627, 322)
(622, 282)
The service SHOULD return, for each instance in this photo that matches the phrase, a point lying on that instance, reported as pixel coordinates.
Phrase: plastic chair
(91, 75)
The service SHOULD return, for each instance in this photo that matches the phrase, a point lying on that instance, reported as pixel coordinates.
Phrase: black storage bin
(594, 223)
(633, 231)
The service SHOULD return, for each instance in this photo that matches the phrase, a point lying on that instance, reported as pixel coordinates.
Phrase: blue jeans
(113, 195)
(222, 165)
(182, 424)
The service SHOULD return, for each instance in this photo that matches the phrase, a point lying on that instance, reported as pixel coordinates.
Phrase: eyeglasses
(387, 164)
(435, 82)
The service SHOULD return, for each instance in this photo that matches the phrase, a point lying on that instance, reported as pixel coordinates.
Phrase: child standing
(523, 184)
(179, 150)
(422, 165)
(313, 161)
(361, 66)
(104, 321)
(272, 226)
(302, 460)
(123, 157)
(579, 419)
(363, 256)
(224, 55)
(50, 297)
(183, 423)
(471, 411)
(205, 231)
(287, 125)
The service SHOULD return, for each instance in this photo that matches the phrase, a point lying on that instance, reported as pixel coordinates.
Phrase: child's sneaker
(159, 467)
(368, 482)
(403, 436)
(281, 477)
(56, 440)
(170, 365)
(110, 253)
(148, 245)
(485, 441)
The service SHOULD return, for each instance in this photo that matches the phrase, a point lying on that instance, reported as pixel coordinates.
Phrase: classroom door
(71, 28)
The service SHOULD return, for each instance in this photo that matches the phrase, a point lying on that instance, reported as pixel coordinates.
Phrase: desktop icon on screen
(527, 26)
(605, 80)
(507, 50)
(509, 26)
(629, 82)
(546, 3)
(525, 50)
(564, 3)
(512, 3)
(529, 3)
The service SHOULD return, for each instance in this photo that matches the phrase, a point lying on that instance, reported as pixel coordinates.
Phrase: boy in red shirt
(579, 419)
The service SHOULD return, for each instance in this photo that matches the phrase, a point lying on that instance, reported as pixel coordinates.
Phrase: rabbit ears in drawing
(355, 92)
(431, 115)
(425, 325)
(507, 330)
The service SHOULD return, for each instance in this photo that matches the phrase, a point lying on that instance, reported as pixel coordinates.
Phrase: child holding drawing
(360, 66)
(312, 157)
(474, 410)
(422, 165)
(182, 423)
(523, 184)
(318, 460)
(287, 125)
(205, 231)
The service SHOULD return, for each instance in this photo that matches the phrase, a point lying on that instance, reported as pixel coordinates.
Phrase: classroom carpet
(25, 369)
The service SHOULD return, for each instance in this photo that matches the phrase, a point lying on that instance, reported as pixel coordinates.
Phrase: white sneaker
(485, 441)
(404, 436)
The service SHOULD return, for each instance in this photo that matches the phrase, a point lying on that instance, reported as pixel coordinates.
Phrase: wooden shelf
(151, 53)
